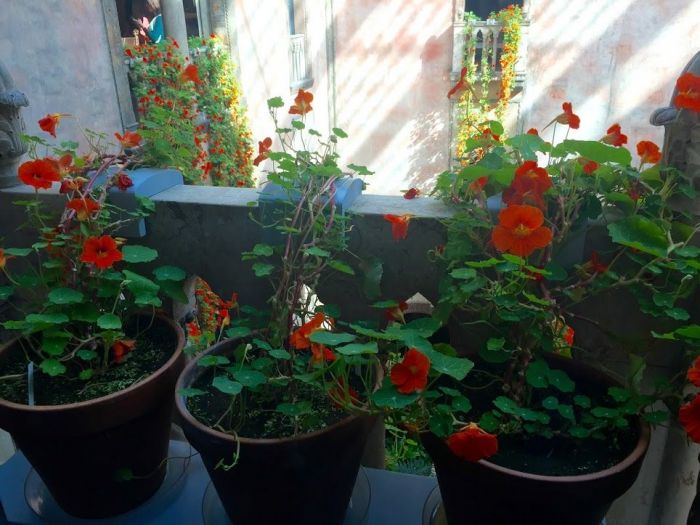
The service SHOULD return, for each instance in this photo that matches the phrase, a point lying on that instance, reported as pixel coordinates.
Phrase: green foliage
(172, 109)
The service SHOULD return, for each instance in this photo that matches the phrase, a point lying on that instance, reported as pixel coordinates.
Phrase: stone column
(174, 24)
(11, 128)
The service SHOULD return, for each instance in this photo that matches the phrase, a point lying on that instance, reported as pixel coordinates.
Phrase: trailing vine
(474, 107)
(190, 112)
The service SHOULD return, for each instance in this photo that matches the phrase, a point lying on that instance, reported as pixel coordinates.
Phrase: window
(482, 8)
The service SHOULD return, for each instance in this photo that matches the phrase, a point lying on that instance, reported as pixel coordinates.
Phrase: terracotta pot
(484, 493)
(78, 448)
(302, 480)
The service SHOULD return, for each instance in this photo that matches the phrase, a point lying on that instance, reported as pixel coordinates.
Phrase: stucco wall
(393, 60)
(615, 60)
(57, 52)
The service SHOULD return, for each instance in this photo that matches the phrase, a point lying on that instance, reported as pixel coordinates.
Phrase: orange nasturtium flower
(300, 337)
(689, 417)
(477, 185)
(63, 165)
(528, 186)
(3, 259)
(122, 347)
(615, 137)
(589, 166)
(399, 225)
(688, 97)
(101, 251)
(50, 122)
(70, 184)
(123, 181)
(693, 372)
(648, 152)
(263, 147)
(83, 208)
(302, 103)
(396, 313)
(568, 117)
(596, 265)
(533, 131)
(191, 73)
(320, 354)
(411, 193)
(472, 443)
(461, 84)
(520, 231)
(40, 173)
(129, 140)
(411, 374)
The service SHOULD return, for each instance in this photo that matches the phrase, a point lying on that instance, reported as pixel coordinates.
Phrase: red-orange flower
(460, 85)
(589, 166)
(83, 208)
(478, 185)
(689, 417)
(40, 173)
(129, 140)
(321, 354)
(263, 147)
(615, 136)
(569, 336)
(648, 152)
(520, 231)
(302, 103)
(300, 337)
(396, 313)
(64, 164)
(596, 265)
(3, 259)
(123, 181)
(693, 371)
(191, 73)
(411, 193)
(122, 347)
(528, 186)
(50, 122)
(472, 443)
(568, 117)
(101, 251)
(193, 329)
(399, 225)
(70, 184)
(688, 86)
(533, 131)
(411, 374)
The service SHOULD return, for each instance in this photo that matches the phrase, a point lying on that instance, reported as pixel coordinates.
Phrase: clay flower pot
(79, 448)
(302, 480)
(484, 493)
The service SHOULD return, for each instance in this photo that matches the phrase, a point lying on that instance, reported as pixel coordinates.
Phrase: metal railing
(298, 68)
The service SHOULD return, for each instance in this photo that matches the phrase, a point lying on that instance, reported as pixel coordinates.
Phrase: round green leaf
(65, 296)
(358, 349)
(46, 318)
(133, 253)
(331, 338)
(52, 367)
(249, 378)
(550, 403)
(295, 409)
(169, 273)
(109, 322)
(225, 385)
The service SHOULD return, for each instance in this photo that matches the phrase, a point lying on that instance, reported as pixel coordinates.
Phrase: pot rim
(187, 416)
(109, 397)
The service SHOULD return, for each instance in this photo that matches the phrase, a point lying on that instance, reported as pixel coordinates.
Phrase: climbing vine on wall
(475, 107)
(190, 112)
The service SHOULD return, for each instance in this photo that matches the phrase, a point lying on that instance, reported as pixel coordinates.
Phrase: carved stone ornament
(11, 129)
(681, 149)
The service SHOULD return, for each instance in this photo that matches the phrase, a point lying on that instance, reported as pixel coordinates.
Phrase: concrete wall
(615, 60)
(57, 52)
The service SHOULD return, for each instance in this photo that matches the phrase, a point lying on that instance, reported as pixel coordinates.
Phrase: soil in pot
(106, 455)
(540, 480)
(268, 473)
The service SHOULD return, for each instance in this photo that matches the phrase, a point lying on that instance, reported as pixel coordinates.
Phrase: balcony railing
(298, 67)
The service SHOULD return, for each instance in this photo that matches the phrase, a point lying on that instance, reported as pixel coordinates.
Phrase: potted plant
(86, 387)
(280, 410)
(531, 432)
